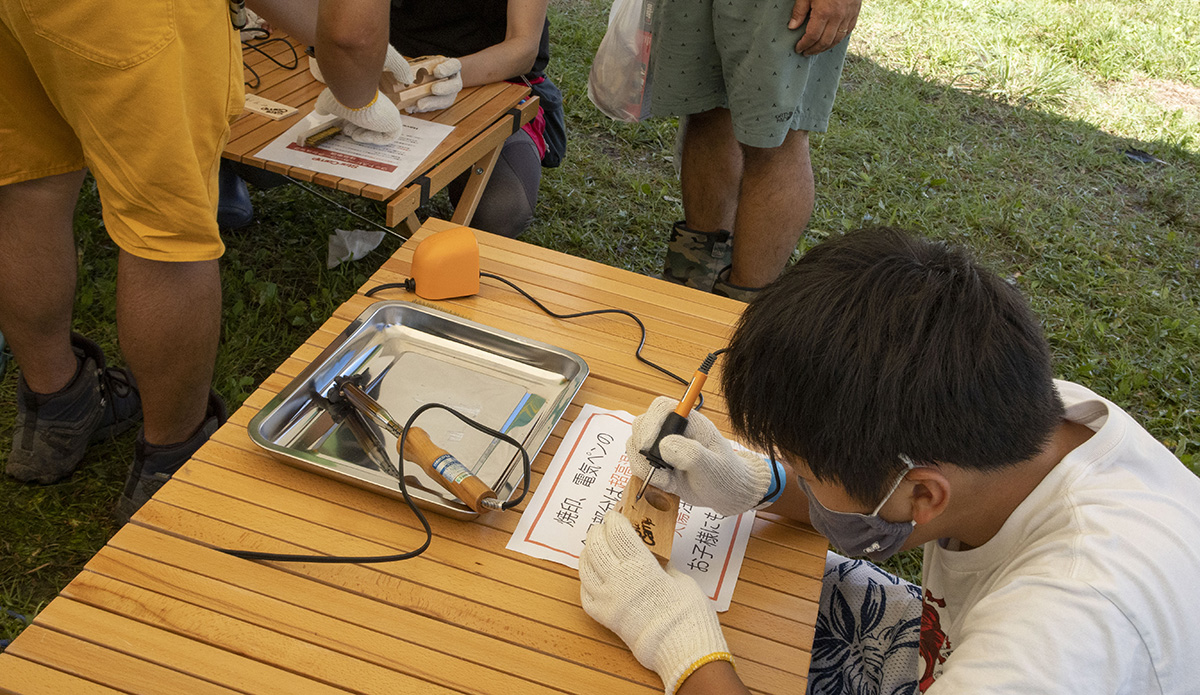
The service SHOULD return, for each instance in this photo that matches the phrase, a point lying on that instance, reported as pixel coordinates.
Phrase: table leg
(410, 225)
(481, 173)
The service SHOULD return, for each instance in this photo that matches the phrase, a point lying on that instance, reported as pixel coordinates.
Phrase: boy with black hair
(911, 392)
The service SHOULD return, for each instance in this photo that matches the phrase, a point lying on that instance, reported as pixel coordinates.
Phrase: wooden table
(483, 118)
(158, 610)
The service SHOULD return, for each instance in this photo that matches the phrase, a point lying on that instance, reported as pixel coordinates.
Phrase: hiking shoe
(722, 288)
(154, 465)
(53, 430)
(694, 257)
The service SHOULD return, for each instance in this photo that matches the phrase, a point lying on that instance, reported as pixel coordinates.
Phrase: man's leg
(711, 171)
(773, 207)
(37, 277)
(168, 320)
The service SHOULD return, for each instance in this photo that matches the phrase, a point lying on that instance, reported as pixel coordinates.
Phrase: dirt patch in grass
(1172, 95)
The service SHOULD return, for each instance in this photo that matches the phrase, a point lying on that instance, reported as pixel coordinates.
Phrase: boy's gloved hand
(664, 617)
(377, 123)
(445, 91)
(393, 63)
(708, 472)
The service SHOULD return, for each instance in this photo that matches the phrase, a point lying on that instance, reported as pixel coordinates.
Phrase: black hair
(880, 344)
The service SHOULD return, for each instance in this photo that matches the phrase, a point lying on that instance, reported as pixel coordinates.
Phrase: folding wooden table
(483, 118)
(158, 610)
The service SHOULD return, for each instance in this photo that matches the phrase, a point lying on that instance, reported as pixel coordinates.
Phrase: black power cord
(328, 559)
(410, 286)
(263, 38)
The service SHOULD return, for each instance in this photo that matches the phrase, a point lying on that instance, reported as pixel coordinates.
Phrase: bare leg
(168, 320)
(711, 171)
(773, 208)
(37, 277)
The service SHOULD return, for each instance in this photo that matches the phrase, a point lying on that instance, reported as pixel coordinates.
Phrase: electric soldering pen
(676, 421)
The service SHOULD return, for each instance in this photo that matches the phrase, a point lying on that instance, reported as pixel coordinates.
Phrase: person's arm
(793, 503)
(717, 678)
(296, 18)
(514, 55)
(352, 41)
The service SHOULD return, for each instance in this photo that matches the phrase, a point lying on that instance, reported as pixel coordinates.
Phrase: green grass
(999, 126)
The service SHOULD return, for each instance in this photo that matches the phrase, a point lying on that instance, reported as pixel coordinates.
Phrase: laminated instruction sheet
(380, 165)
(585, 480)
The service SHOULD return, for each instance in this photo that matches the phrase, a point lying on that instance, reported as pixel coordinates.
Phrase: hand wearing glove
(664, 617)
(377, 123)
(393, 63)
(444, 91)
(708, 472)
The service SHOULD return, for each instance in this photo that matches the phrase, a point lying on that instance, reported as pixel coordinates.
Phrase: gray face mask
(861, 534)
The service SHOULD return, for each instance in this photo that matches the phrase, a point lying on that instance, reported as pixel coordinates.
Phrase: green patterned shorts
(740, 55)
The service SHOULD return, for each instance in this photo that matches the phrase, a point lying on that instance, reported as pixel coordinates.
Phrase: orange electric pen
(676, 420)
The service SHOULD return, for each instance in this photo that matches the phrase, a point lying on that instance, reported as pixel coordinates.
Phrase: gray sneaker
(694, 257)
(154, 465)
(53, 430)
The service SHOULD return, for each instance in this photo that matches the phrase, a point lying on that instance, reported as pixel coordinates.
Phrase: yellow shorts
(139, 91)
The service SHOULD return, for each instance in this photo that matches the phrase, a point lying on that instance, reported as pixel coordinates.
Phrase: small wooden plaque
(271, 109)
(653, 517)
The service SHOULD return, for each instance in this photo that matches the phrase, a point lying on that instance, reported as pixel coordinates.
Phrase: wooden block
(271, 109)
(316, 124)
(404, 96)
(653, 517)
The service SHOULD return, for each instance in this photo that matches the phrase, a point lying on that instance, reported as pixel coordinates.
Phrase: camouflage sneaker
(693, 258)
(154, 465)
(722, 288)
(53, 430)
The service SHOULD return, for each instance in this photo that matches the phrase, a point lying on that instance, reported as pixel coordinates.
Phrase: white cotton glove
(444, 91)
(377, 123)
(664, 617)
(393, 63)
(708, 472)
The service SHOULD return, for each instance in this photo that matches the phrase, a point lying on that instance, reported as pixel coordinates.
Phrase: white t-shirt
(1091, 586)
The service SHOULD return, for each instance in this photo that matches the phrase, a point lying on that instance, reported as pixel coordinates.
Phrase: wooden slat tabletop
(474, 110)
(159, 610)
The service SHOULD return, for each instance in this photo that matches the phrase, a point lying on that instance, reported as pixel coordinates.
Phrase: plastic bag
(619, 82)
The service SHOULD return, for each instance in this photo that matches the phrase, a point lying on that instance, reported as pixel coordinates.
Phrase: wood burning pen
(676, 421)
(448, 471)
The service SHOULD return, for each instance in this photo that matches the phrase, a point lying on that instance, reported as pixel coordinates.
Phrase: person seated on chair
(494, 40)
(911, 392)
(351, 37)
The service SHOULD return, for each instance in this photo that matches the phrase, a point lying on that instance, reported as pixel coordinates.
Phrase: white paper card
(586, 479)
(380, 165)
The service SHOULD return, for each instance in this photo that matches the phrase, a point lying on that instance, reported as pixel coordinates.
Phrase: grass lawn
(1006, 127)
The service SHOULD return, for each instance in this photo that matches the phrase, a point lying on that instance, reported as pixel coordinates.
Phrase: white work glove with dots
(377, 123)
(708, 472)
(393, 63)
(445, 90)
(664, 617)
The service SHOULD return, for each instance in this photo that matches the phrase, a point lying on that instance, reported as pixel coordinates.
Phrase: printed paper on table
(586, 479)
(380, 165)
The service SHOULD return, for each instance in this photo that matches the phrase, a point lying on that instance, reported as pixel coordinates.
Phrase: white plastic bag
(619, 82)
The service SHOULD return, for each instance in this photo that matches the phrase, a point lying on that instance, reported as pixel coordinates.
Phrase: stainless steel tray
(414, 355)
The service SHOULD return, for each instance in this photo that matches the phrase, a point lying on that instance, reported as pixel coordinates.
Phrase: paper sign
(585, 480)
(380, 165)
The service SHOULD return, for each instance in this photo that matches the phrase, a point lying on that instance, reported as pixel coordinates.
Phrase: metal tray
(414, 355)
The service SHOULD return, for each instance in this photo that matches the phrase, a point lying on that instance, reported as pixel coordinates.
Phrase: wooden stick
(653, 517)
